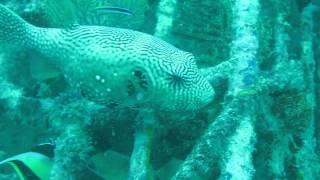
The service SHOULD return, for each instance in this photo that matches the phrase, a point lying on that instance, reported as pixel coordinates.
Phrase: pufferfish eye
(176, 80)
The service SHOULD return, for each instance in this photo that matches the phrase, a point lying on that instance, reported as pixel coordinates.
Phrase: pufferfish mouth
(185, 106)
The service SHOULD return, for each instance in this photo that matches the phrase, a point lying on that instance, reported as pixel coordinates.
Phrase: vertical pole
(140, 167)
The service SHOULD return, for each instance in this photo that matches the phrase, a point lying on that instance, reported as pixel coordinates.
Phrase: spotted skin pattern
(115, 65)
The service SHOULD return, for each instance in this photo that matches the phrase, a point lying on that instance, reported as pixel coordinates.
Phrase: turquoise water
(159, 89)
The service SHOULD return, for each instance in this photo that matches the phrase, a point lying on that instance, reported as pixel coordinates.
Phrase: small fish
(37, 164)
(119, 10)
(31, 165)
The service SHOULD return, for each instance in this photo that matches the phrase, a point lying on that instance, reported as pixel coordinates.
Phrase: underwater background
(262, 58)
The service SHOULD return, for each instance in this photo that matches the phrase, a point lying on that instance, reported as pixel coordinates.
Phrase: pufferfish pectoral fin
(41, 67)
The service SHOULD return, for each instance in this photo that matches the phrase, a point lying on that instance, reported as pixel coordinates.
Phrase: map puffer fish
(115, 65)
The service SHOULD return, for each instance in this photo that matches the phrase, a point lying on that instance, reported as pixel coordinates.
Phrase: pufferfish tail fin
(13, 29)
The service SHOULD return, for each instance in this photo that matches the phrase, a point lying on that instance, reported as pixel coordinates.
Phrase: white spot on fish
(139, 96)
(115, 74)
(102, 80)
(108, 90)
(98, 77)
